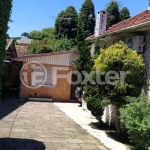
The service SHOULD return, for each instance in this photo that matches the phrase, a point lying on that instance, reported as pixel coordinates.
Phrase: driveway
(41, 126)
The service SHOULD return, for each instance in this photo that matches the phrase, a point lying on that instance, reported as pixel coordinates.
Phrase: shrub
(94, 101)
(119, 57)
(136, 117)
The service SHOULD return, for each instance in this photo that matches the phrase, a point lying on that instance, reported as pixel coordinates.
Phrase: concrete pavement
(83, 118)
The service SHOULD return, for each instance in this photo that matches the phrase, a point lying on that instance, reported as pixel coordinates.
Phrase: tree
(113, 13)
(124, 14)
(71, 24)
(46, 33)
(97, 47)
(64, 44)
(84, 61)
(25, 34)
(87, 13)
(5, 12)
(136, 117)
(117, 58)
(59, 32)
(36, 35)
(37, 47)
(66, 24)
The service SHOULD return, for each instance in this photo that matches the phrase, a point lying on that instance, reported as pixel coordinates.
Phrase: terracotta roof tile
(21, 50)
(143, 17)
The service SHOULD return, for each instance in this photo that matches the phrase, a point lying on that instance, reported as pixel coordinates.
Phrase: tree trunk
(99, 120)
(118, 120)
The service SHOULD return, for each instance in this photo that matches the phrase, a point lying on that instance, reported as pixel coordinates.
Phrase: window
(38, 76)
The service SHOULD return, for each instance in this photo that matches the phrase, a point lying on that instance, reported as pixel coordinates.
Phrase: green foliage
(66, 24)
(36, 35)
(113, 13)
(124, 13)
(118, 58)
(25, 34)
(87, 13)
(5, 11)
(52, 44)
(84, 61)
(136, 117)
(64, 44)
(37, 47)
(94, 100)
(97, 46)
(47, 33)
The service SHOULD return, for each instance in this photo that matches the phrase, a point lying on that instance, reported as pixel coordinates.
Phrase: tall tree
(59, 28)
(113, 13)
(124, 13)
(5, 11)
(66, 23)
(84, 61)
(87, 13)
(71, 22)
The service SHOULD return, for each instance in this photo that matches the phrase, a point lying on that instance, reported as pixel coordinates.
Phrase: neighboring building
(11, 70)
(10, 49)
(24, 41)
(54, 86)
(135, 32)
(21, 50)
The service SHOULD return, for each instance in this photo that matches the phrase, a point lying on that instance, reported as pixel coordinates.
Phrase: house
(135, 32)
(21, 50)
(48, 75)
(11, 71)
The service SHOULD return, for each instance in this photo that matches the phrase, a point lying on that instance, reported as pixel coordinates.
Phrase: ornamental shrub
(136, 117)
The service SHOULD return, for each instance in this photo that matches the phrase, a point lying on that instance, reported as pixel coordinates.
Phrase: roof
(21, 50)
(8, 43)
(65, 58)
(141, 18)
(47, 54)
(24, 41)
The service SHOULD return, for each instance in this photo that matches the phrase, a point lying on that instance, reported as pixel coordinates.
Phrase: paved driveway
(41, 126)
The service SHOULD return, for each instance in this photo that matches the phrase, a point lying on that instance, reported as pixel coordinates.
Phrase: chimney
(149, 5)
(101, 21)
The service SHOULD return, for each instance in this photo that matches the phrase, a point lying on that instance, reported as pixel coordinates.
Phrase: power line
(61, 18)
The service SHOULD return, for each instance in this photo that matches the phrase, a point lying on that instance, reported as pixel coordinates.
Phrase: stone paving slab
(82, 118)
(41, 126)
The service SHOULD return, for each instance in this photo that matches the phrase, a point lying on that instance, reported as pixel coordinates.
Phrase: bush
(94, 101)
(119, 57)
(136, 117)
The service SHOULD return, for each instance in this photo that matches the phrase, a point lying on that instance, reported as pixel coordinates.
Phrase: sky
(29, 15)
